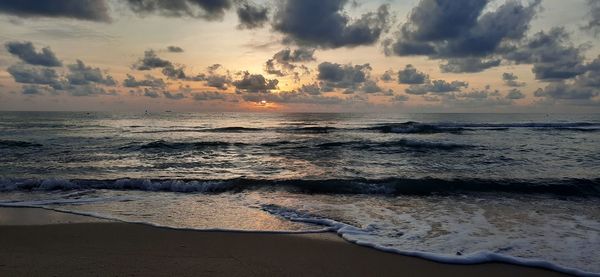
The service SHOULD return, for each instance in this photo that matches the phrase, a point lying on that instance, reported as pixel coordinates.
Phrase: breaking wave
(388, 186)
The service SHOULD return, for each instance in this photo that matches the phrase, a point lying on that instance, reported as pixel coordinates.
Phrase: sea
(453, 188)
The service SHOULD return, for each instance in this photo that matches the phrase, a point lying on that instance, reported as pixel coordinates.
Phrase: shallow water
(452, 186)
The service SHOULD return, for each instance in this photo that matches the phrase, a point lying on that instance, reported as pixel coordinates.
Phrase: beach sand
(35, 242)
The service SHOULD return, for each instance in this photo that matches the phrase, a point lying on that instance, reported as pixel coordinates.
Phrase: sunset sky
(300, 55)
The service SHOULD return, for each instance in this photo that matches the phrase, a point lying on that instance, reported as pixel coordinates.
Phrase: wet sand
(37, 242)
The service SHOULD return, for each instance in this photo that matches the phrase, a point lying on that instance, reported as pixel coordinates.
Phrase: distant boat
(168, 111)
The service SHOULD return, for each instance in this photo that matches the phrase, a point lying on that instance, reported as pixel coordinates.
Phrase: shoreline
(79, 245)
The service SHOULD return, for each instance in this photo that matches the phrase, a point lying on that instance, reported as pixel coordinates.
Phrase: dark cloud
(255, 83)
(174, 96)
(510, 80)
(468, 65)
(80, 74)
(33, 75)
(252, 16)
(583, 87)
(593, 24)
(282, 63)
(150, 81)
(208, 96)
(400, 98)
(312, 89)
(410, 75)
(552, 54)
(90, 90)
(27, 53)
(436, 86)
(94, 10)
(324, 24)
(465, 33)
(151, 61)
(206, 9)
(335, 75)
(293, 97)
(151, 93)
(175, 49)
(515, 94)
(387, 76)
(33, 90)
(371, 86)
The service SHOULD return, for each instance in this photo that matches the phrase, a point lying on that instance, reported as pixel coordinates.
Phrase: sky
(300, 55)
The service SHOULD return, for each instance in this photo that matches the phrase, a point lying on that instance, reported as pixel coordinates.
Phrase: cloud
(150, 81)
(400, 98)
(510, 80)
(593, 24)
(33, 75)
(468, 65)
(515, 94)
(324, 24)
(151, 61)
(583, 87)
(93, 10)
(27, 53)
(174, 96)
(410, 75)
(292, 97)
(335, 75)
(89, 90)
(80, 74)
(33, 90)
(551, 53)
(208, 96)
(468, 34)
(282, 63)
(252, 16)
(371, 86)
(387, 76)
(436, 86)
(174, 49)
(205, 9)
(151, 93)
(255, 83)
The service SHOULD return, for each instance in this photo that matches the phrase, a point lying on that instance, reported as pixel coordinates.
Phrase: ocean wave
(17, 144)
(357, 236)
(401, 143)
(308, 130)
(412, 127)
(166, 145)
(388, 186)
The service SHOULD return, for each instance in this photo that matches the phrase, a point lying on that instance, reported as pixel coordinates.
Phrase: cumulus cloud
(283, 62)
(511, 80)
(255, 83)
(468, 65)
(515, 94)
(436, 86)
(93, 10)
(28, 54)
(33, 75)
(291, 97)
(463, 32)
(348, 76)
(205, 9)
(410, 75)
(174, 95)
(151, 61)
(150, 81)
(593, 24)
(252, 16)
(80, 74)
(585, 86)
(387, 76)
(208, 96)
(324, 24)
(552, 54)
(174, 49)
